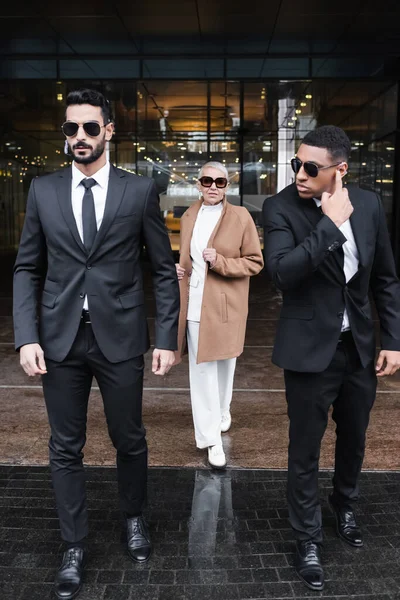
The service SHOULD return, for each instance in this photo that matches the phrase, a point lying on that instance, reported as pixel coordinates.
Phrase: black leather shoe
(308, 564)
(139, 545)
(68, 581)
(346, 526)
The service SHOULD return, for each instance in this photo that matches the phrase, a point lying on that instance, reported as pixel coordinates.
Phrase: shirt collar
(317, 202)
(101, 176)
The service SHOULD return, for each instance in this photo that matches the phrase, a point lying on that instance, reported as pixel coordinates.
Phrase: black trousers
(66, 389)
(351, 389)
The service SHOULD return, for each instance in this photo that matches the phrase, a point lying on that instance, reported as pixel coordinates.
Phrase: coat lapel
(115, 193)
(189, 219)
(65, 202)
(218, 225)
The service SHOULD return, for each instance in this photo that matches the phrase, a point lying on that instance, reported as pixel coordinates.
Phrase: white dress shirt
(350, 252)
(207, 218)
(99, 194)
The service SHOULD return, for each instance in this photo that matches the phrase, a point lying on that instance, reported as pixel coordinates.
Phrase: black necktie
(88, 214)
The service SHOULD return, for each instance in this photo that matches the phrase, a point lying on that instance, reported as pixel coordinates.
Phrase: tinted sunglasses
(92, 128)
(220, 182)
(310, 168)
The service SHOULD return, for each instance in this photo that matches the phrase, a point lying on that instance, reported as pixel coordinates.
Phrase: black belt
(85, 316)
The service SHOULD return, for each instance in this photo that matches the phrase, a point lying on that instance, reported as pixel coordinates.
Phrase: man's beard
(87, 160)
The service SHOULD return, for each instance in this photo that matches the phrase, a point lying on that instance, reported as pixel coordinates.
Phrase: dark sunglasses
(310, 168)
(92, 128)
(207, 182)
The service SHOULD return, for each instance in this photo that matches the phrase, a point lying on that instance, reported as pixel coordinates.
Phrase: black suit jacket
(53, 270)
(303, 259)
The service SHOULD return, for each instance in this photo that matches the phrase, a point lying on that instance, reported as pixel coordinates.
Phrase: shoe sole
(337, 530)
(218, 468)
(310, 587)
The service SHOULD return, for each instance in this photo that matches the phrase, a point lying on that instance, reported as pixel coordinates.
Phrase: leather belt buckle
(85, 316)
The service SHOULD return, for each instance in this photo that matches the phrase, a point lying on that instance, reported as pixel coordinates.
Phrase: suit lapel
(357, 221)
(115, 193)
(65, 202)
(311, 211)
(335, 261)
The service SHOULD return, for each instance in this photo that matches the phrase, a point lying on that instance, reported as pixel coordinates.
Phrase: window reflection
(168, 129)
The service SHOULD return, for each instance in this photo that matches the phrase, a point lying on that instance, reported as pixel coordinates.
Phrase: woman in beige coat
(219, 251)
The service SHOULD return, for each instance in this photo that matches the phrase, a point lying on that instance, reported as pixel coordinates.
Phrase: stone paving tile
(236, 545)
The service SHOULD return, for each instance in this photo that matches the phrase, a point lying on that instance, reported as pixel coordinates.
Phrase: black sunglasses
(310, 168)
(220, 182)
(92, 128)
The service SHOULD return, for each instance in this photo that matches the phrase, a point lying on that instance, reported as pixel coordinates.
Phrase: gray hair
(215, 165)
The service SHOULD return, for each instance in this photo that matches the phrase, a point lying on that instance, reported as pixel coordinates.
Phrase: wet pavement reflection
(211, 507)
(216, 535)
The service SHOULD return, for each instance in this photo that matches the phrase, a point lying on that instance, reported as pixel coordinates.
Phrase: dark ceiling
(201, 39)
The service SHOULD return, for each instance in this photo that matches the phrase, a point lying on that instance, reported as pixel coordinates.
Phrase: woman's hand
(210, 256)
(180, 271)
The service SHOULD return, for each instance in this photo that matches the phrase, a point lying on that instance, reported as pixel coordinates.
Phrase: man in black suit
(327, 246)
(79, 312)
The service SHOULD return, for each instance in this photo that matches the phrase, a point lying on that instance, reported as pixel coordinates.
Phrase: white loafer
(216, 457)
(226, 422)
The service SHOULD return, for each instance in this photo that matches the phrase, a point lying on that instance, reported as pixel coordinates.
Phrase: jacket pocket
(132, 299)
(305, 313)
(224, 308)
(194, 280)
(122, 218)
(48, 299)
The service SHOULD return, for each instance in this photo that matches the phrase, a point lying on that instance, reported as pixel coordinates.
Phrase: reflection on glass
(168, 129)
(211, 504)
(224, 108)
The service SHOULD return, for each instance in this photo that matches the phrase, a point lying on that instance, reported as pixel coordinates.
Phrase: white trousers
(211, 385)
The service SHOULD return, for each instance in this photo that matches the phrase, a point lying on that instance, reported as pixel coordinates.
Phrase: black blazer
(302, 257)
(53, 270)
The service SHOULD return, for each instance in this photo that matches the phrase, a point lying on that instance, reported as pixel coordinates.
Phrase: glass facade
(168, 129)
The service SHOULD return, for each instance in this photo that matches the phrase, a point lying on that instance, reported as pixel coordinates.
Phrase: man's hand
(337, 206)
(162, 361)
(392, 359)
(180, 271)
(31, 358)
(210, 256)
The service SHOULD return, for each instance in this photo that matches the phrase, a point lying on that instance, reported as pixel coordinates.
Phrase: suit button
(88, 266)
(81, 295)
(340, 315)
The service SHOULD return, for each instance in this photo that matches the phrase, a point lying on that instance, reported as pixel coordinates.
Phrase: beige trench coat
(226, 289)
